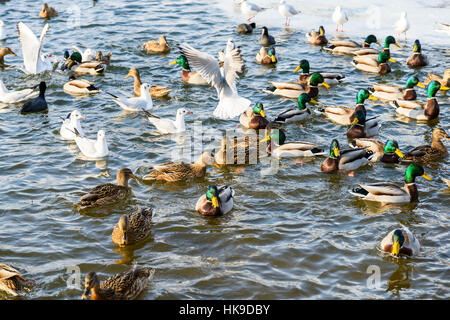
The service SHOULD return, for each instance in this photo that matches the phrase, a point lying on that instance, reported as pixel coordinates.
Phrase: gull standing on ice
(286, 10)
(250, 9)
(230, 104)
(402, 24)
(339, 17)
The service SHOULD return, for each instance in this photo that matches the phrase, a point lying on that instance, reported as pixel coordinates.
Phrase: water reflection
(400, 279)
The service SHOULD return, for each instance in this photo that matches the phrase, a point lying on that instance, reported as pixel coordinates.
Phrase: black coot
(37, 104)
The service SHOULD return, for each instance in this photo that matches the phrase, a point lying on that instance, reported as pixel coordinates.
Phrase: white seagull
(339, 17)
(92, 149)
(402, 24)
(230, 104)
(136, 103)
(87, 55)
(168, 125)
(9, 96)
(250, 9)
(286, 10)
(2, 24)
(71, 123)
(35, 62)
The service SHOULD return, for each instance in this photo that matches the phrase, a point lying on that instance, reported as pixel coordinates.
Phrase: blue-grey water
(297, 234)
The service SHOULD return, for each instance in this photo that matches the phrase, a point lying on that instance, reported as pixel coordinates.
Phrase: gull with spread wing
(230, 104)
(34, 61)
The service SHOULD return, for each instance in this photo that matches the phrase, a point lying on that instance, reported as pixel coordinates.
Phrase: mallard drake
(266, 56)
(400, 242)
(297, 114)
(187, 75)
(304, 77)
(216, 202)
(417, 59)
(317, 38)
(79, 86)
(181, 171)
(388, 153)
(5, 51)
(348, 159)
(444, 81)
(345, 115)
(294, 90)
(266, 39)
(74, 64)
(393, 92)
(381, 68)
(278, 148)
(159, 46)
(244, 28)
(347, 46)
(47, 12)
(387, 192)
(11, 280)
(420, 110)
(155, 91)
(132, 228)
(122, 286)
(362, 129)
(254, 118)
(372, 54)
(429, 153)
(108, 193)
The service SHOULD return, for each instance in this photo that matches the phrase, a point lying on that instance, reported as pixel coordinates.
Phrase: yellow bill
(371, 97)
(336, 152)
(391, 60)
(326, 85)
(399, 153)
(265, 139)
(273, 59)
(355, 121)
(419, 84)
(426, 176)
(215, 202)
(216, 165)
(444, 88)
(378, 43)
(173, 62)
(397, 44)
(312, 101)
(298, 68)
(396, 248)
(262, 113)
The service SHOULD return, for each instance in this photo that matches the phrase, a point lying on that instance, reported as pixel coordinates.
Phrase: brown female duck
(444, 80)
(3, 52)
(155, 91)
(122, 286)
(133, 228)
(159, 46)
(47, 12)
(429, 153)
(317, 38)
(108, 193)
(11, 280)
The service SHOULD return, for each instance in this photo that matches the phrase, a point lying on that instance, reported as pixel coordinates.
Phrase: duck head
(212, 194)
(304, 65)
(413, 81)
(362, 95)
(182, 61)
(415, 170)
(391, 147)
(259, 109)
(303, 99)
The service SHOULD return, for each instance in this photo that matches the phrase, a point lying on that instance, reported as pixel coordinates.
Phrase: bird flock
(201, 68)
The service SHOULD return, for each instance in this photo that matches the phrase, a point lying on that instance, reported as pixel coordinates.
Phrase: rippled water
(295, 234)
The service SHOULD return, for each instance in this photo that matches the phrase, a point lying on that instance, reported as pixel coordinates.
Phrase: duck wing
(383, 189)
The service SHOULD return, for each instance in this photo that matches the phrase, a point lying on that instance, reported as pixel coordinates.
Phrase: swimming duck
(105, 59)
(402, 24)
(86, 55)
(347, 46)
(132, 228)
(159, 46)
(329, 77)
(187, 75)
(266, 56)
(381, 68)
(70, 123)
(243, 150)
(254, 118)
(37, 104)
(400, 242)
(47, 12)
(297, 114)
(360, 128)
(417, 59)
(169, 126)
(136, 104)
(5, 51)
(11, 280)
(393, 92)
(278, 148)
(266, 39)
(216, 202)
(108, 193)
(348, 159)
(444, 81)
(345, 115)
(339, 17)
(155, 91)
(122, 286)
(387, 192)
(420, 110)
(181, 171)
(388, 152)
(74, 63)
(447, 181)
(294, 90)
(367, 54)
(79, 86)
(429, 153)
(10, 96)
(244, 28)
(317, 38)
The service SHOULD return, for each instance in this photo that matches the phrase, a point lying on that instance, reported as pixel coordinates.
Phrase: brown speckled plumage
(11, 280)
(137, 227)
(155, 91)
(429, 153)
(47, 12)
